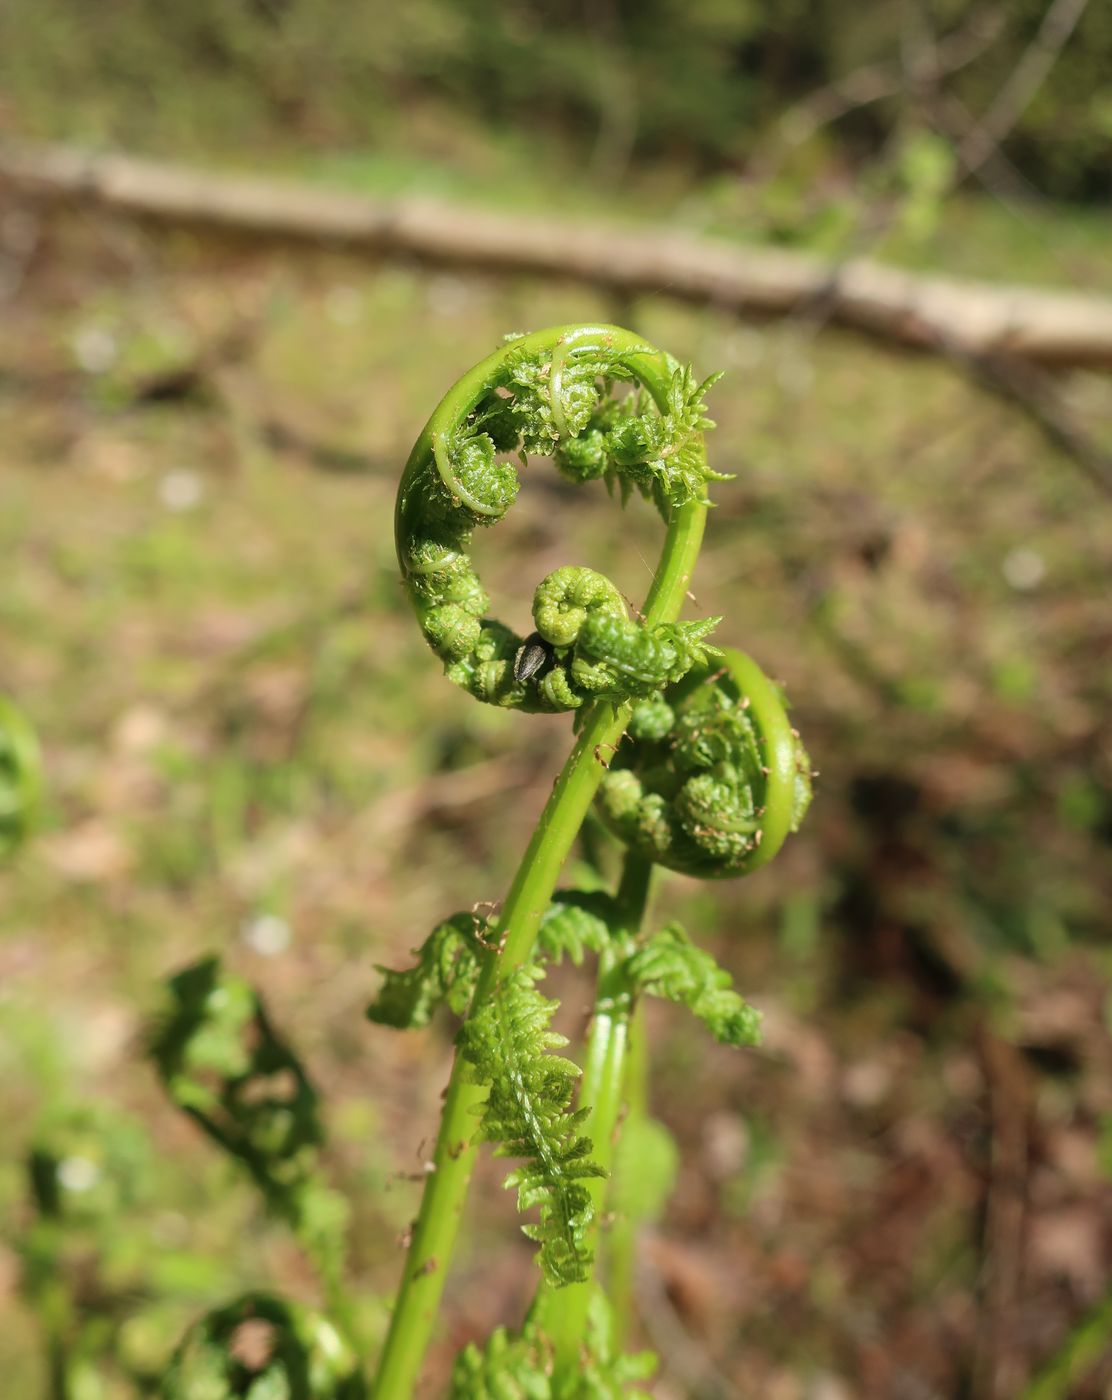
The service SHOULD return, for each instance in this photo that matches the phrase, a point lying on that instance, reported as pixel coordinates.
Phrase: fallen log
(1048, 328)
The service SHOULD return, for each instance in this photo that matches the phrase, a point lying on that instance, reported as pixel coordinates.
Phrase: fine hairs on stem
(709, 780)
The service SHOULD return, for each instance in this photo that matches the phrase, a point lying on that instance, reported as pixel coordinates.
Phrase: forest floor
(907, 1191)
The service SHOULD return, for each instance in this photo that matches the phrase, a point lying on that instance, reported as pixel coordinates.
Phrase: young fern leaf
(662, 455)
(575, 923)
(606, 1373)
(520, 1365)
(528, 1114)
(669, 965)
(448, 961)
(445, 973)
(511, 1366)
(622, 658)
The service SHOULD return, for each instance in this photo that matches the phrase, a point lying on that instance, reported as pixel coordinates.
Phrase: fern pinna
(710, 779)
(528, 1114)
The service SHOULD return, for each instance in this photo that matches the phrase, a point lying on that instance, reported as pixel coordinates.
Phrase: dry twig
(1048, 328)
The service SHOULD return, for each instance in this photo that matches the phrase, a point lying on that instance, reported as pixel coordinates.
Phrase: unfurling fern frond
(714, 777)
(551, 394)
(669, 965)
(528, 1114)
(709, 780)
(444, 974)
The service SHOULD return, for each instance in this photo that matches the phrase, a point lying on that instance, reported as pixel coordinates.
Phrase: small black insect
(532, 655)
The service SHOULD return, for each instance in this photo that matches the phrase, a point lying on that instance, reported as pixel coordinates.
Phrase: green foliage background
(703, 83)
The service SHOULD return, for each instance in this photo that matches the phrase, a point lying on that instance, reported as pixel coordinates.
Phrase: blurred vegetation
(702, 85)
(249, 751)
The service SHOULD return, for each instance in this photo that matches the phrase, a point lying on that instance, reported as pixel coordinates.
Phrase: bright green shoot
(709, 780)
(686, 749)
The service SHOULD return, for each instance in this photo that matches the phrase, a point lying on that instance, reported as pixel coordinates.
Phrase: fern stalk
(621, 1243)
(434, 1233)
(602, 1093)
(700, 784)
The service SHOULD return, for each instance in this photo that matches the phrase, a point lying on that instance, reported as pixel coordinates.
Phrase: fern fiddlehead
(709, 782)
(551, 394)
(713, 778)
(546, 392)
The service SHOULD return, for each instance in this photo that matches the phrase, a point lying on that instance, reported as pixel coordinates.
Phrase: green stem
(601, 1094)
(621, 1243)
(434, 1232)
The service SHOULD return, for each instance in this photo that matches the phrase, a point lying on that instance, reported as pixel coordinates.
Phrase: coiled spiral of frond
(260, 1346)
(711, 777)
(20, 776)
(551, 394)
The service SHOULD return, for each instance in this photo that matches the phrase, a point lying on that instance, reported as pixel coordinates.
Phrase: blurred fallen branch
(1032, 393)
(1041, 327)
